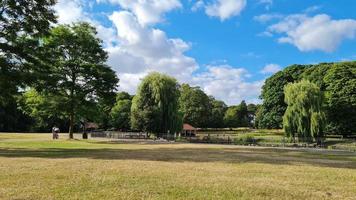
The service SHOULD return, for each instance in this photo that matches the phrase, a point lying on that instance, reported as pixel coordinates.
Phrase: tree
(120, 113)
(237, 116)
(273, 106)
(218, 109)
(340, 84)
(78, 73)
(252, 110)
(230, 118)
(155, 106)
(195, 106)
(22, 23)
(243, 117)
(44, 110)
(304, 117)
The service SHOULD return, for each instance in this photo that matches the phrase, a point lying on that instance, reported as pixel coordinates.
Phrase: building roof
(188, 127)
(91, 125)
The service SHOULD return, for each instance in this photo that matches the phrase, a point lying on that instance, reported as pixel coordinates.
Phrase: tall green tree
(120, 113)
(304, 118)
(218, 109)
(252, 110)
(273, 106)
(340, 84)
(195, 106)
(243, 115)
(22, 23)
(44, 110)
(237, 116)
(155, 106)
(231, 117)
(78, 73)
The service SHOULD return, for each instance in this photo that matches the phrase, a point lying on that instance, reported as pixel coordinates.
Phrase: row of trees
(162, 105)
(337, 83)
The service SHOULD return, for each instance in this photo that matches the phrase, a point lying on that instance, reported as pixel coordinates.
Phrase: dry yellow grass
(35, 167)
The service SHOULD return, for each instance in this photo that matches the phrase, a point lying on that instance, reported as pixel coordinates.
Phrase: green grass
(33, 166)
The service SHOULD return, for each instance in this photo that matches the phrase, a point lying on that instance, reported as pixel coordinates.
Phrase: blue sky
(227, 47)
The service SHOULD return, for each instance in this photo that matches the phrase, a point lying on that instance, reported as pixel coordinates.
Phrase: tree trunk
(71, 125)
(71, 115)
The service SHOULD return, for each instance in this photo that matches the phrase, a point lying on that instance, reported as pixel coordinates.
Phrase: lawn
(33, 166)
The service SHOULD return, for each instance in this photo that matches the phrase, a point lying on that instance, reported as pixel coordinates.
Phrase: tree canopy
(273, 106)
(78, 73)
(121, 111)
(155, 106)
(336, 80)
(304, 117)
(195, 106)
(22, 24)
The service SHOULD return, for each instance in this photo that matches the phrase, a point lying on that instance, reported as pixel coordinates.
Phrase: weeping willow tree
(155, 107)
(304, 118)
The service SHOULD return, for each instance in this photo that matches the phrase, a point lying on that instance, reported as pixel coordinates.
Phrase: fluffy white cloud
(136, 48)
(148, 11)
(197, 5)
(229, 84)
(314, 33)
(225, 9)
(267, 17)
(69, 11)
(149, 49)
(270, 69)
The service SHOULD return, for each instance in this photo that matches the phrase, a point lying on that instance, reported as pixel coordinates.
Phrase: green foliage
(42, 109)
(218, 109)
(78, 73)
(273, 106)
(155, 107)
(230, 118)
(195, 106)
(340, 84)
(252, 113)
(22, 23)
(304, 117)
(237, 116)
(336, 80)
(245, 140)
(120, 113)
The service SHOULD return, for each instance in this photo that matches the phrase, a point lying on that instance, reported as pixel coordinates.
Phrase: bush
(245, 140)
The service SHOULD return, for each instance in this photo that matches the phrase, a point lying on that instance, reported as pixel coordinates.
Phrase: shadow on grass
(228, 155)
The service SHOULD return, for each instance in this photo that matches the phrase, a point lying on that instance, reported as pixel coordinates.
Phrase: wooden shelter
(91, 126)
(188, 131)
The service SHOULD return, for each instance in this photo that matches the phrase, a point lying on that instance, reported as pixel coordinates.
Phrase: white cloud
(136, 47)
(225, 9)
(270, 69)
(314, 33)
(198, 5)
(229, 84)
(267, 17)
(154, 50)
(148, 12)
(69, 11)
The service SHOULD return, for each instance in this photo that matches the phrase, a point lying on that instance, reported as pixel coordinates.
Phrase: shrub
(245, 140)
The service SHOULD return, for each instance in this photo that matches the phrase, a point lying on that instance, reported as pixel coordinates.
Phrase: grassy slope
(34, 167)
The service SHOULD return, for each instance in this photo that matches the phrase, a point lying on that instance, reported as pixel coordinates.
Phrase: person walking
(55, 132)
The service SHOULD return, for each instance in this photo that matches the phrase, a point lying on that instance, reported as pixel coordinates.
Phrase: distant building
(90, 126)
(188, 131)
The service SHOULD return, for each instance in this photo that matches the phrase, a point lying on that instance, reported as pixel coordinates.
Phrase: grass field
(34, 167)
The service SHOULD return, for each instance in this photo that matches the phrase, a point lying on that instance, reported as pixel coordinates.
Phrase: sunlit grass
(36, 167)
